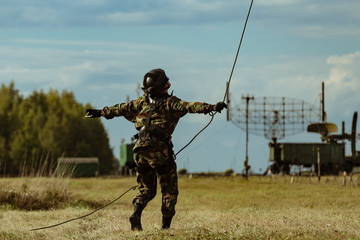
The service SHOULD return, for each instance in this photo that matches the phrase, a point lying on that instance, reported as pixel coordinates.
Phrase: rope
(238, 50)
(73, 219)
(212, 114)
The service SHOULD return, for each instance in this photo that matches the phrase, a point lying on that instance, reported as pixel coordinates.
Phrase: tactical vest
(150, 132)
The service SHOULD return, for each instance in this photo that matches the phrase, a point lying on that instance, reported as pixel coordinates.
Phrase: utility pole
(322, 102)
(246, 162)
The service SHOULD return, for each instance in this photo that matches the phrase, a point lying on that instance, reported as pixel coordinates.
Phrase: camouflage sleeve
(127, 110)
(184, 107)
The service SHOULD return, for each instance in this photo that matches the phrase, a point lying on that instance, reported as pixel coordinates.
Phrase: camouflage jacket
(166, 115)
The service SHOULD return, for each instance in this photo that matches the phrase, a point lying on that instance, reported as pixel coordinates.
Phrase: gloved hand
(92, 113)
(219, 107)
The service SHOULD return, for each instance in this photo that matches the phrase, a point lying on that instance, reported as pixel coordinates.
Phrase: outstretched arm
(196, 107)
(128, 110)
(107, 112)
(114, 111)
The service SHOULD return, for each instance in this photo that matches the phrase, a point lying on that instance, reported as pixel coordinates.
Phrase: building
(78, 167)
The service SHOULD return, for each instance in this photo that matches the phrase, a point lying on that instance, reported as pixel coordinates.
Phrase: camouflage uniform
(155, 158)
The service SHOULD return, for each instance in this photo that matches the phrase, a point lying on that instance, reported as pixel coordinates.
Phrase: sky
(101, 49)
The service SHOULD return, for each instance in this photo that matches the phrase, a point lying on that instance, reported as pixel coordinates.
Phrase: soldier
(155, 114)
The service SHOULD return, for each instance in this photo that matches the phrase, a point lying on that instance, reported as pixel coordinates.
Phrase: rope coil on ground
(73, 219)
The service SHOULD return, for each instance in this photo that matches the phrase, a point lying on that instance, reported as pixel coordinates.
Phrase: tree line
(38, 129)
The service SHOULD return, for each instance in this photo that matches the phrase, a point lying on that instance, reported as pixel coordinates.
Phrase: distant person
(155, 114)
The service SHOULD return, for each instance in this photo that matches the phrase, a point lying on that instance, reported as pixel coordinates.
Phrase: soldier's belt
(153, 133)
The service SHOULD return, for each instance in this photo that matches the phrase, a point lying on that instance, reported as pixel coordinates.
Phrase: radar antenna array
(273, 117)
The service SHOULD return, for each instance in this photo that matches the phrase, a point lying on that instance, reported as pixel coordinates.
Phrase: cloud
(297, 77)
(343, 84)
(22, 14)
(97, 67)
(107, 69)
(320, 19)
(300, 78)
(307, 18)
(125, 18)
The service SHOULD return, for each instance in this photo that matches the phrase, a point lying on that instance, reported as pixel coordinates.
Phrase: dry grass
(208, 208)
(34, 193)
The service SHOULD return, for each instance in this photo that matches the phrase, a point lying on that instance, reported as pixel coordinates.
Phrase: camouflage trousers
(150, 166)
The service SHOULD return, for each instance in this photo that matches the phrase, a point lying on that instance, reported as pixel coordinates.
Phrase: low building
(78, 167)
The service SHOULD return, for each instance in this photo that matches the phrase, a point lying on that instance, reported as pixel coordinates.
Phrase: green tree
(48, 126)
(10, 100)
(26, 150)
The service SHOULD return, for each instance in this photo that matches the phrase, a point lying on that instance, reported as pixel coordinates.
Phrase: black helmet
(154, 82)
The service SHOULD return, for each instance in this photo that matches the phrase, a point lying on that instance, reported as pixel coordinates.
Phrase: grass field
(208, 208)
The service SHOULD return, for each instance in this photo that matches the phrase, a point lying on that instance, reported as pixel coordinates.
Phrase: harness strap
(152, 106)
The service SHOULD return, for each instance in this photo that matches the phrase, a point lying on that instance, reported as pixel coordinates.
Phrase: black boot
(135, 218)
(166, 222)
